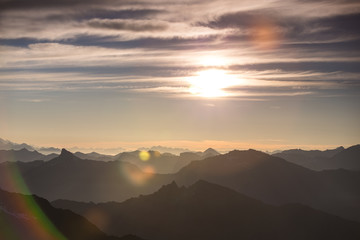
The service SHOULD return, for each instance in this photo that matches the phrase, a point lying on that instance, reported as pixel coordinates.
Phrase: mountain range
(8, 145)
(164, 162)
(24, 155)
(157, 162)
(320, 160)
(209, 211)
(256, 174)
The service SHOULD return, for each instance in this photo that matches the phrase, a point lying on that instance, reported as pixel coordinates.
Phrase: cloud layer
(153, 45)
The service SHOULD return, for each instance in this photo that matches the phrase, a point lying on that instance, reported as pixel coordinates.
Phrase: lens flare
(135, 176)
(98, 217)
(144, 155)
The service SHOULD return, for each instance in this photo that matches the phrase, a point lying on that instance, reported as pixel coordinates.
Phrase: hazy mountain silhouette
(158, 162)
(23, 155)
(256, 174)
(347, 159)
(94, 156)
(276, 181)
(17, 220)
(164, 162)
(208, 211)
(70, 177)
(164, 149)
(210, 152)
(8, 145)
(320, 160)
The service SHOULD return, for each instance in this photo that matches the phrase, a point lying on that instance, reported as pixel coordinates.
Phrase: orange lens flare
(135, 175)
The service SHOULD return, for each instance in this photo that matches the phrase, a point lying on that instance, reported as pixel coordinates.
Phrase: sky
(229, 74)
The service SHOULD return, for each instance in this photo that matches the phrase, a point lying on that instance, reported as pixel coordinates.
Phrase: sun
(211, 83)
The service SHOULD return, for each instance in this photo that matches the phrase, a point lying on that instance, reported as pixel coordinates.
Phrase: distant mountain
(208, 211)
(320, 160)
(157, 162)
(347, 159)
(256, 174)
(276, 181)
(33, 218)
(94, 156)
(163, 149)
(8, 145)
(210, 152)
(164, 162)
(23, 155)
(70, 177)
(48, 150)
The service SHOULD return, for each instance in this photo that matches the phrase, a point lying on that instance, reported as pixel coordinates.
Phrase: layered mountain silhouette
(34, 218)
(276, 181)
(164, 149)
(330, 159)
(208, 211)
(70, 177)
(8, 145)
(164, 162)
(347, 159)
(256, 174)
(94, 156)
(23, 155)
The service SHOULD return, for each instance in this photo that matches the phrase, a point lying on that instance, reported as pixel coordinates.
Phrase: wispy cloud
(152, 47)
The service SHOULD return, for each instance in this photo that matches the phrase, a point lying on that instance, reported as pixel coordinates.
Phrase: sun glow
(211, 83)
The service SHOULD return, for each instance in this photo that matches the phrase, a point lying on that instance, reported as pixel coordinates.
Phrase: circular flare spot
(144, 156)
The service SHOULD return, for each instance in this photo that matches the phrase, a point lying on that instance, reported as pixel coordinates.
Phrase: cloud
(99, 13)
(290, 27)
(319, 66)
(145, 45)
(135, 26)
(34, 4)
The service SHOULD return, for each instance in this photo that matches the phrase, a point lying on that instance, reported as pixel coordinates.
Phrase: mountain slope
(348, 158)
(277, 181)
(208, 211)
(313, 159)
(21, 218)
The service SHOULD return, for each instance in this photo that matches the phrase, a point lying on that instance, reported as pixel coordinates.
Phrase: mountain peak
(211, 151)
(66, 155)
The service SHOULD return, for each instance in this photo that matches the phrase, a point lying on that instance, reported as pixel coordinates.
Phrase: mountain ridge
(205, 210)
